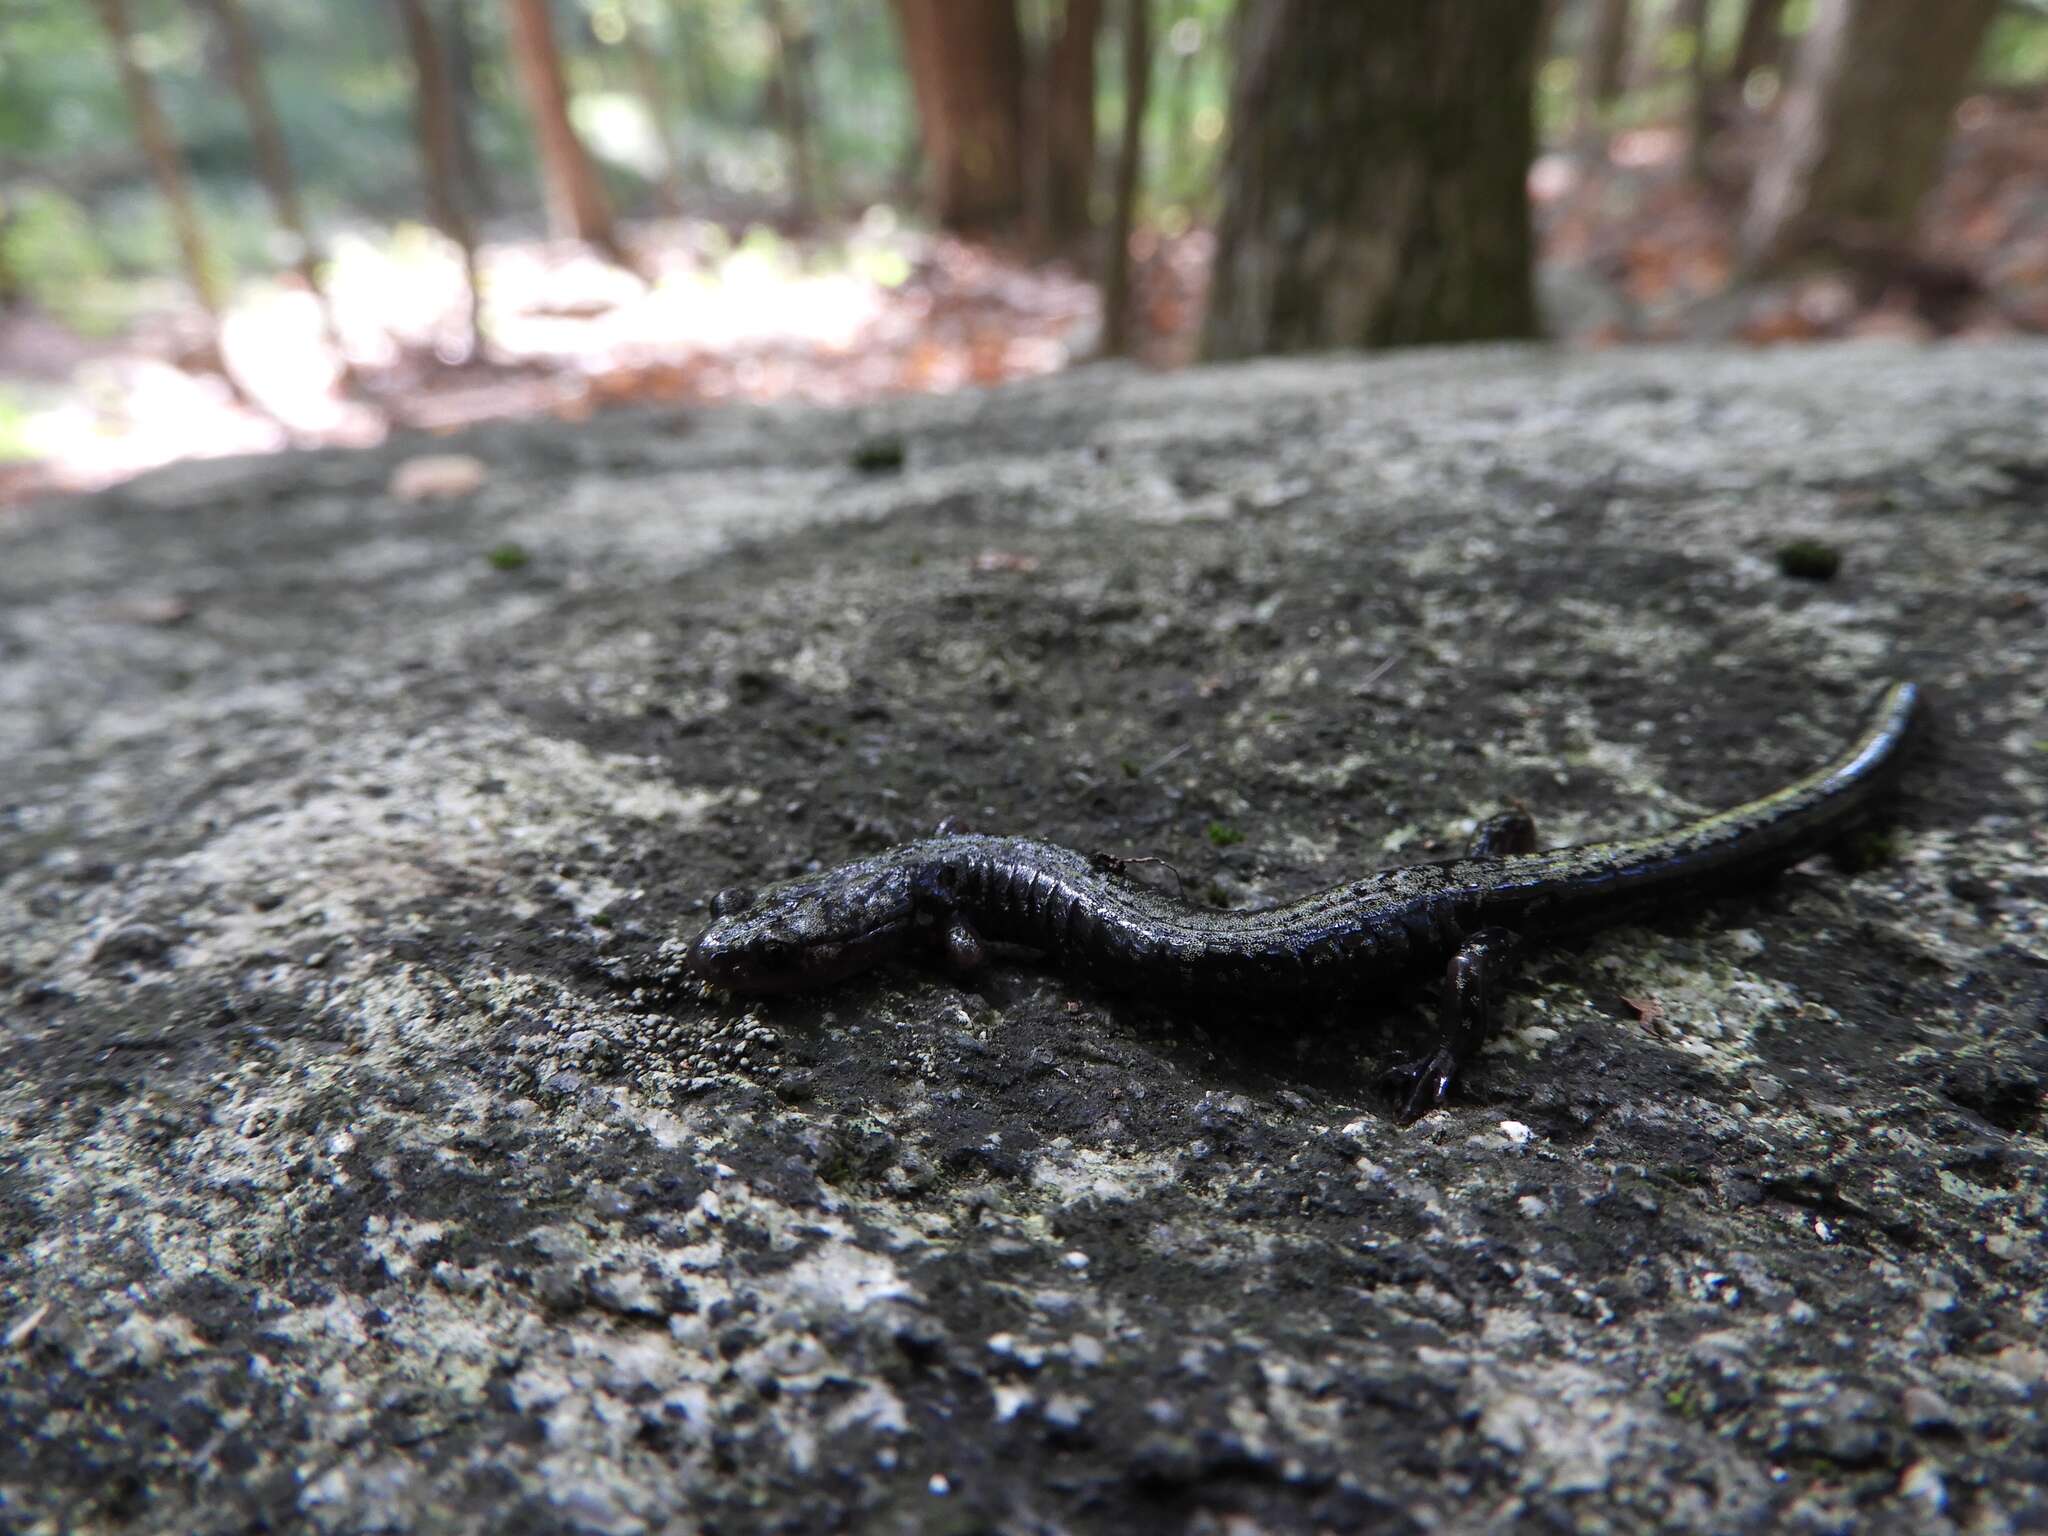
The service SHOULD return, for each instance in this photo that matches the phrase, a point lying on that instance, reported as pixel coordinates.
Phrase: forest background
(241, 225)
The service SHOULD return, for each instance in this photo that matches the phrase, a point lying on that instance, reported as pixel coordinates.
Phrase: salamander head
(809, 932)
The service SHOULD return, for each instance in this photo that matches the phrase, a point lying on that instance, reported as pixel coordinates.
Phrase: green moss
(1867, 849)
(1223, 834)
(1809, 560)
(879, 456)
(508, 557)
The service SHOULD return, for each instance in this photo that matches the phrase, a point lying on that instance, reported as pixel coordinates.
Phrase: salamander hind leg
(1477, 976)
(958, 945)
(1503, 836)
(961, 947)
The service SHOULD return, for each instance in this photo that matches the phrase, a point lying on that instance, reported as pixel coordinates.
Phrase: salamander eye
(733, 899)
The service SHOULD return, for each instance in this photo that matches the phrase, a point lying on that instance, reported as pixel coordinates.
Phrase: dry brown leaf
(994, 560)
(438, 477)
(1646, 1009)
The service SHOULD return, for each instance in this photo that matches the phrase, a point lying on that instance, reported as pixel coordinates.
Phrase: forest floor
(1634, 248)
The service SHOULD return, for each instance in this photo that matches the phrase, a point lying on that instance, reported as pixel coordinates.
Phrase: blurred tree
(1603, 62)
(653, 91)
(273, 160)
(161, 151)
(577, 204)
(690, 26)
(1183, 40)
(1375, 185)
(434, 121)
(1067, 122)
(1760, 44)
(966, 59)
(1694, 20)
(1863, 125)
(1650, 54)
(475, 173)
(792, 88)
(1118, 329)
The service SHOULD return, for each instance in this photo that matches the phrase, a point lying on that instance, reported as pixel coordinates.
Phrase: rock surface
(366, 1166)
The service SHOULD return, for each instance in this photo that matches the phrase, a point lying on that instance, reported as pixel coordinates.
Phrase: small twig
(1379, 672)
(1152, 768)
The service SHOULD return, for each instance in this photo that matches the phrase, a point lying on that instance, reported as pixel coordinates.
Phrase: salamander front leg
(1473, 985)
(1503, 836)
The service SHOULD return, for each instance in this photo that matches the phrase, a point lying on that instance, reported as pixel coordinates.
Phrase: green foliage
(57, 87)
(508, 557)
(1187, 108)
(2016, 51)
(14, 442)
(50, 248)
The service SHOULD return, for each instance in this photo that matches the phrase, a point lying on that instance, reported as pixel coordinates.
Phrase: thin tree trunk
(577, 205)
(792, 56)
(1695, 16)
(273, 161)
(434, 124)
(161, 150)
(1655, 21)
(1068, 123)
(1375, 184)
(1603, 63)
(1180, 98)
(1761, 41)
(640, 55)
(1118, 324)
(1863, 126)
(462, 88)
(10, 284)
(965, 59)
(701, 93)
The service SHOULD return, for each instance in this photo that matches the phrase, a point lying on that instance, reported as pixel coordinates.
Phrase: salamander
(949, 896)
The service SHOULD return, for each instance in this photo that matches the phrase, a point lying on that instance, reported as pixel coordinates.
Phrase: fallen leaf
(993, 560)
(1646, 1009)
(438, 477)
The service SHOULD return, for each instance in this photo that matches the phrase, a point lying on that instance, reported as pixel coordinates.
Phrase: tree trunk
(434, 123)
(577, 205)
(647, 82)
(1118, 329)
(161, 151)
(1761, 41)
(1068, 123)
(1694, 16)
(703, 94)
(273, 161)
(1180, 98)
(966, 59)
(1654, 22)
(1375, 184)
(1863, 126)
(1603, 62)
(482, 192)
(793, 103)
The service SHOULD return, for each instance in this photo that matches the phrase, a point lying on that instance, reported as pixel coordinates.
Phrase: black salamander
(1350, 943)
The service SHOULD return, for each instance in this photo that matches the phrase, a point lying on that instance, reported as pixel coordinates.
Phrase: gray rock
(491, 1221)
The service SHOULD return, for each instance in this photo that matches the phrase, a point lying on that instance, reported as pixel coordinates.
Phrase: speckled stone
(367, 1165)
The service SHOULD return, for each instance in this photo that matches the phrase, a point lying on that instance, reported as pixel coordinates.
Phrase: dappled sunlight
(874, 311)
(120, 415)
